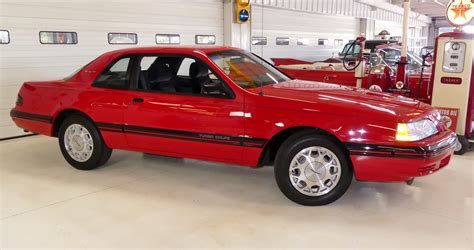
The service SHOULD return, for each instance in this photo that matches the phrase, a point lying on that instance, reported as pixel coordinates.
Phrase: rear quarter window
(117, 75)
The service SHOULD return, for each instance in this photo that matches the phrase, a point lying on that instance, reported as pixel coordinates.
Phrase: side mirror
(213, 89)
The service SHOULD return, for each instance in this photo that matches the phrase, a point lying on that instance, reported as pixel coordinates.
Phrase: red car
(228, 105)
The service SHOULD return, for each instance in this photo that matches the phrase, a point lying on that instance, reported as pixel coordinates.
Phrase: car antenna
(261, 53)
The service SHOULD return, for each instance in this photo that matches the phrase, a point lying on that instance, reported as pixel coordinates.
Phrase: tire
(462, 145)
(320, 147)
(81, 131)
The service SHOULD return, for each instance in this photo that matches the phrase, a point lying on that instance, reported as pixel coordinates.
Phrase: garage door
(297, 34)
(87, 27)
(395, 29)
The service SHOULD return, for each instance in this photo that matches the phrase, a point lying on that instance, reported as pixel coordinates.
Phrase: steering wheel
(359, 57)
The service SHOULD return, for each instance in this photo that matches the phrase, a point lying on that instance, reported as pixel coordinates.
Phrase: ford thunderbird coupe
(227, 105)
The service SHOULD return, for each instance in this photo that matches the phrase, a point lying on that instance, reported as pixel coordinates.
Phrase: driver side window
(178, 74)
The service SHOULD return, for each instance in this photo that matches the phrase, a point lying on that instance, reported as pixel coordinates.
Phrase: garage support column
(367, 27)
(432, 34)
(235, 35)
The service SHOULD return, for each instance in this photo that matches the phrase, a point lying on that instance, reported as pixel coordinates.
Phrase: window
(4, 37)
(354, 50)
(246, 69)
(257, 40)
(167, 39)
(181, 75)
(302, 41)
(58, 37)
(116, 76)
(282, 41)
(123, 38)
(338, 42)
(323, 42)
(205, 39)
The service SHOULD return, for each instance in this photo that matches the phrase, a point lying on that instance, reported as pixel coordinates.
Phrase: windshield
(354, 50)
(246, 69)
(391, 57)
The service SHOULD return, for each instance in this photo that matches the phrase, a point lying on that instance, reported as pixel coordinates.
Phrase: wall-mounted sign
(244, 15)
(460, 12)
(243, 11)
(451, 80)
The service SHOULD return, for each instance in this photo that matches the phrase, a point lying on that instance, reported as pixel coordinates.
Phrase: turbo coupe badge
(460, 12)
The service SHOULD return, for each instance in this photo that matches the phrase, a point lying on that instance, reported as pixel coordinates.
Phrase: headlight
(415, 131)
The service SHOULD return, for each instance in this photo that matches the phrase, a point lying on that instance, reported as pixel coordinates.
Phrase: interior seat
(160, 77)
(199, 74)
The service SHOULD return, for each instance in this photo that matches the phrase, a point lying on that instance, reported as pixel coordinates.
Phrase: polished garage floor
(139, 200)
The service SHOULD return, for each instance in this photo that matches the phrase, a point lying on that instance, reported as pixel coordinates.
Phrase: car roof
(172, 49)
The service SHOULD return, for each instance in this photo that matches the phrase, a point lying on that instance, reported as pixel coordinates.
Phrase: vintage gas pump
(453, 77)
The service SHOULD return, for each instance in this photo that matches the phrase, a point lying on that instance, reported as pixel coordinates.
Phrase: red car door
(165, 114)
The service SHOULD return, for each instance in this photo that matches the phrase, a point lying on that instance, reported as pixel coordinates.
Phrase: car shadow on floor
(249, 185)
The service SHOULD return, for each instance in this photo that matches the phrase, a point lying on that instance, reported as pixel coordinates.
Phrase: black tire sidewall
(99, 148)
(285, 156)
(465, 145)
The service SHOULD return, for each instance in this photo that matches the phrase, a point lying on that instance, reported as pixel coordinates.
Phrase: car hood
(344, 100)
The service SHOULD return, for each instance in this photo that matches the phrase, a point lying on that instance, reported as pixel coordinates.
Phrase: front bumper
(400, 163)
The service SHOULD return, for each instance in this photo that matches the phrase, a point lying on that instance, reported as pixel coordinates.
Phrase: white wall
(277, 22)
(395, 28)
(330, 19)
(371, 9)
(26, 59)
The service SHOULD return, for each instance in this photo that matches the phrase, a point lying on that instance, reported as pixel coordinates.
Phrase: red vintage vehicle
(380, 72)
(227, 105)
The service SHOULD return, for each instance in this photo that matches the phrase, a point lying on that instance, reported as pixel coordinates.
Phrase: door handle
(138, 100)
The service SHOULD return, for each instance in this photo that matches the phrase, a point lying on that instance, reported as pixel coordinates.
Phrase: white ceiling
(431, 8)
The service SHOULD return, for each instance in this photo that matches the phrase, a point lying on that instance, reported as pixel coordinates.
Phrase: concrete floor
(139, 200)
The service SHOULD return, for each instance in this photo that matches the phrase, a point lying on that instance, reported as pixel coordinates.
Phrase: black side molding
(30, 116)
(400, 151)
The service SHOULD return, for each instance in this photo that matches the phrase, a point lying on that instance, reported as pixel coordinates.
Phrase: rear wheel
(312, 170)
(81, 144)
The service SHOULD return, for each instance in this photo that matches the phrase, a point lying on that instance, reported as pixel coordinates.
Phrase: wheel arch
(268, 155)
(62, 115)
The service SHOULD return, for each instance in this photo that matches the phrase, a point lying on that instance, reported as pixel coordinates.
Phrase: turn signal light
(403, 134)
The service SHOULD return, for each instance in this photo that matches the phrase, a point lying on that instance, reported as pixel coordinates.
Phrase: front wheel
(81, 144)
(312, 170)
